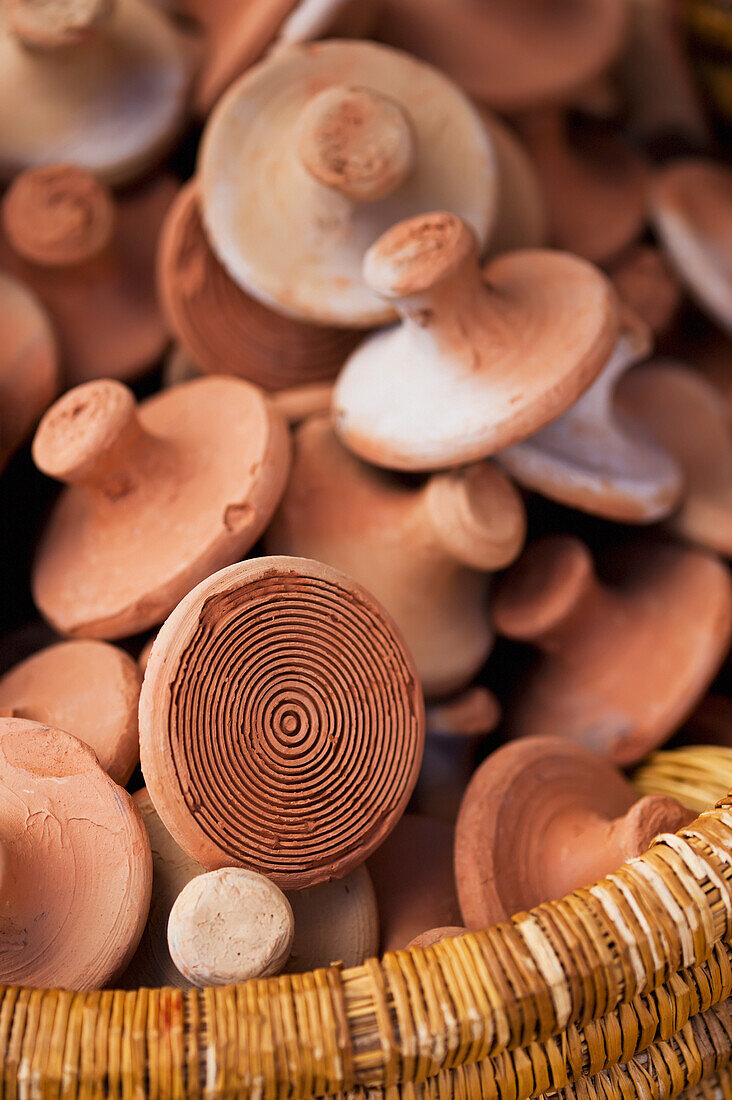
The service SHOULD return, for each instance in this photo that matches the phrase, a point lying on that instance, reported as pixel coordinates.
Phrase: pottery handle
(51, 25)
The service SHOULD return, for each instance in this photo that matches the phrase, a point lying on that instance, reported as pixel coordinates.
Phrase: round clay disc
(281, 722)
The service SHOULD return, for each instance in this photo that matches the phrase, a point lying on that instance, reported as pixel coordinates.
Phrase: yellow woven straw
(697, 776)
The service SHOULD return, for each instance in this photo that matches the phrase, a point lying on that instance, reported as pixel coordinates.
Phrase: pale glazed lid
(298, 244)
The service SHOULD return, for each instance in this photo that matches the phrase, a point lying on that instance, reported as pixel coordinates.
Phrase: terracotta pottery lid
(335, 922)
(28, 364)
(691, 206)
(158, 497)
(437, 935)
(479, 361)
(223, 329)
(76, 866)
(281, 722)
(543, 817)
(90, 689)
(510, 54)
(594, 458)
(314, 153)
(299, 403)
(620, 666)
(465, 718)
(521, 217)
(647, 285)
(424, 550)
(90, 258)
(112, 101)
(687, 416)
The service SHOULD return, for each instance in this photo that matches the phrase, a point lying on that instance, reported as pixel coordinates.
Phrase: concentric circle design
(281, 722)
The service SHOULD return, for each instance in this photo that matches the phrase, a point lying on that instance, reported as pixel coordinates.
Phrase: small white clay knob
(419, 254)
(49, 24)
(228, 926)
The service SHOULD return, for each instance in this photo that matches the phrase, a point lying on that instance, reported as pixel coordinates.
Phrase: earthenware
(335, 922)
(646, 283)
(299, 403)
(521, 217)
(437, 935)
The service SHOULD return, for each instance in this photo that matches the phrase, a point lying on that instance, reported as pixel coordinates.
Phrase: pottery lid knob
(544, 587)
(418, 254)
(81, 435)
(47, 24)
(356, 141)
(647, 818)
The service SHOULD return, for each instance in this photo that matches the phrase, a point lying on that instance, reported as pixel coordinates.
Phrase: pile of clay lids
(383, 352)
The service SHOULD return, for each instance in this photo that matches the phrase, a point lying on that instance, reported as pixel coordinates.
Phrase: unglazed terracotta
(647, 284)
(229, 926)
(335, 922)
(691, 207)
(76, 866)
(111, 102)
(313, 154)
(158, 497)
(301, 402)
(509, 54)
(479, 360)
(596, 459)
(437, 935)
(621, 665)
(521, 216)
(223, 329)
(29, 366)
(424, 550)
(414, 881)
(89, 689)
(543, 817)
(91, 261)
(281, 722)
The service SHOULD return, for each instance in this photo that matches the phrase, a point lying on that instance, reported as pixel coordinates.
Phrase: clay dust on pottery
(281, 722)
(543, 817)
(425, 551)
(311, 156)
(480, 360)
(594, 457)
(222, 328)
(89, 689)
(646, 283)
(619, 666)
(75, 866)
(335, 922)
(90, 258)
(158, 496)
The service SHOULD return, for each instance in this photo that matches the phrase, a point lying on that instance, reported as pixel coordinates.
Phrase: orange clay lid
(437, 935)
(313, 154)
(281, 722)
(619, 666)
(158, 497)
(90, 689)
(521, 216)
(510, 54)
(480, 360)
(594, 458)
(299, 403)
(75, 866)
(691, 207)
(28, 364)
(106, 90)
(425, 551)
(335, 922)
(543, 817)
(647, 285)
(223, 329)
(90, 258)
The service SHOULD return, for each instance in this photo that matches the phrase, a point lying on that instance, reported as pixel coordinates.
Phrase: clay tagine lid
(331, 144)
(691, 206)
(105, 91)
(226, 331)
(480, 360)
(648, 286)
(594, 458)
(543, 817)
(335, 922)
(90, 689)
(76, 865)
(286, 737)
(620, 666)
(90, 258)
(158, 497)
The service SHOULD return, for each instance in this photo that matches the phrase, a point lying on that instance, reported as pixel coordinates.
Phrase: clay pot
(594, 458)
(229, 926)
(74, 860)
(301, 402)
(414, 882)
(105, 92)
(425, 551)
(543, 817)
(647, 285)
(158, 497)
(509, 54)
(621, 666)
(479, 361)
(91, 261)
(437, 935)
(287, 735)
(28, 364)
(90, 689)
(335, 922)
(521, 216)
(691, 207)
(331, 145)
(223, 329)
